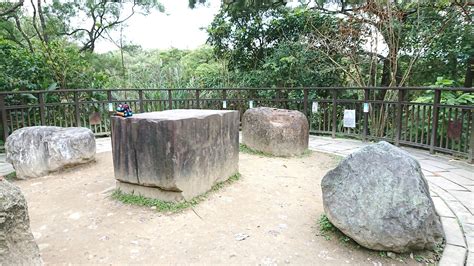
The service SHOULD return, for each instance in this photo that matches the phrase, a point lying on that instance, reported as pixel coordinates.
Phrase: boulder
(17, 244)
(175, 155)
(379, 197)
(37, 151)
(274, 131)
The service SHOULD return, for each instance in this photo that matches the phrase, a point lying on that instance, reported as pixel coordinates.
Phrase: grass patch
(328, 231)
(11, 176)
(173, 207)
(244, 149)
(305, 154)
(326, 228)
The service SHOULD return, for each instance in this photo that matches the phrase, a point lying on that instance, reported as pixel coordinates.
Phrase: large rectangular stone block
(180, 153)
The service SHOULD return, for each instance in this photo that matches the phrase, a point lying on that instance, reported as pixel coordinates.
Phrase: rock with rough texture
(37, 151)
(175, 155)
(17, 244)
(274, 131)
(379, 197)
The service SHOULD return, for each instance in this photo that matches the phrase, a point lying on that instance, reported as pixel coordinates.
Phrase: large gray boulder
(274, 131)
(175, 155)
(37, 151)
(379, 197)
(17, 244)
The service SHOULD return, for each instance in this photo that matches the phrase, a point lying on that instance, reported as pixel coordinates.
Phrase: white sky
(178, 27)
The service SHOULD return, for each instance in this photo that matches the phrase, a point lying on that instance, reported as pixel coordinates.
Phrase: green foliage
(58, 65)
(244, 149)
(163, 69)
(173, 207)
(21, 70)
(325, 226)
(10, 176)
(447, 97)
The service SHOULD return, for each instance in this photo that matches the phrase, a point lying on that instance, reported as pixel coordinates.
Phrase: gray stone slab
(439, 164)
(441, 192)
(444, 183)
(441, 208)
(470, 259)
(431, 168)
(427, 173)
(470, 242)
(465, 218)
(452, 231)
(182, 151)
(466, 198)
(464, 172)
(453, 255)
(458, 179)
(468, 230)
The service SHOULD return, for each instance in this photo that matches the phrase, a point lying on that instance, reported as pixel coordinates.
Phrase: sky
(178, 27)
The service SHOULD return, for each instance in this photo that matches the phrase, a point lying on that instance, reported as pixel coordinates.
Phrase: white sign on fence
(224, 104)
(315, 107)
(250, 104)
(349, 118)
(366, 107)
(111, 107)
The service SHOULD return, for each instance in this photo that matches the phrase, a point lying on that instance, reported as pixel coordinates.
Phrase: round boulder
(37, 151)
(17, 244)
(379, 197)
(278, 132)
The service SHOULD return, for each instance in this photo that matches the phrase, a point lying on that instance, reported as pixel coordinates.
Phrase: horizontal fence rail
(381, 113)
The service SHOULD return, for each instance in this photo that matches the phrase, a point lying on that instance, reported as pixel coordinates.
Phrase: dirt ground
(269, 216)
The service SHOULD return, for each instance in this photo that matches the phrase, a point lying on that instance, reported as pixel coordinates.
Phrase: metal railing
(430, 125)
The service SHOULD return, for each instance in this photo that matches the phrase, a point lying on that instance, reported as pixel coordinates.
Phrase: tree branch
(18, 26)
(12, 9)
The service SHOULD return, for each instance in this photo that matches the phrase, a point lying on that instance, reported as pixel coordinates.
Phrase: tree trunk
(469, 72)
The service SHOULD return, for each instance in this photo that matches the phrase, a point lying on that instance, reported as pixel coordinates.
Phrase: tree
(55, 20)
(406, 30)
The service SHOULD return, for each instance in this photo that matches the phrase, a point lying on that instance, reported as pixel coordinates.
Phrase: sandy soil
(276, 203)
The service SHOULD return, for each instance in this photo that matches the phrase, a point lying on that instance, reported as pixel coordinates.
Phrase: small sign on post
(366, 107)
(224, 104)
(314, 107)
(111, 107)
(251, 104)
(349, 118)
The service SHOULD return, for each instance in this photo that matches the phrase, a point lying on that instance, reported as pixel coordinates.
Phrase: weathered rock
(275, 131)
(379, 197)
(17, 244)
(175, 154)
(37, 151)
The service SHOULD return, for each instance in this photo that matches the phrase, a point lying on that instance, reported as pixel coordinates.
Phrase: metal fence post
(434, 129)
(77, 110)
(224, 98)
(471, 142)
(170, 100)
(140, 101)
(305, 102)
(42, 108)
(334, 112)
(4, 117)
(197, 99)
(366, 114)
(398, 124)
(109, 112)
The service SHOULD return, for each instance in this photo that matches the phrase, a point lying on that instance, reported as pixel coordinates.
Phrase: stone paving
(451, 184)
